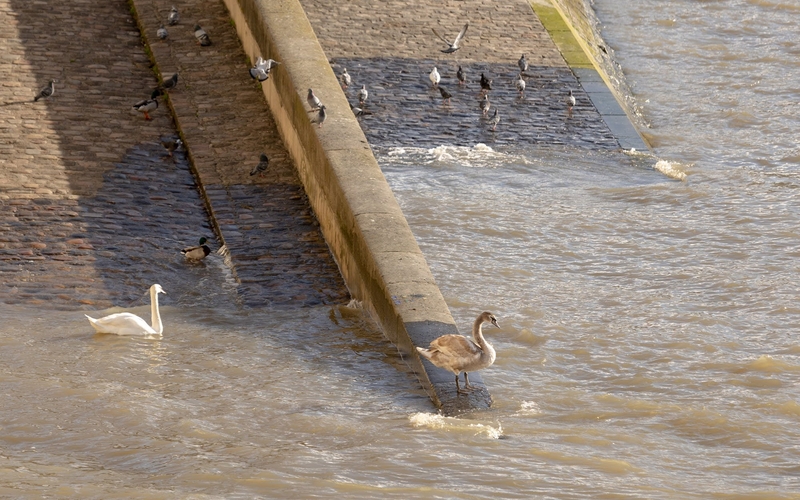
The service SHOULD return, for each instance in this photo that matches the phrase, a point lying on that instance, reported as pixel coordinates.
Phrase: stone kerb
(362, 222)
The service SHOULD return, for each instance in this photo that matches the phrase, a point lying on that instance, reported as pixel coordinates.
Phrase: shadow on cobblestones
(408, 111)
(92, 211)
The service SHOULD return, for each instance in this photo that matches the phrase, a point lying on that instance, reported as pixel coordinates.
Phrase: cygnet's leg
(466, 381)
(458, 388)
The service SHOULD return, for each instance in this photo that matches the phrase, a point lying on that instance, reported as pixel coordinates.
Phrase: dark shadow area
(92, 209)
(406, 110)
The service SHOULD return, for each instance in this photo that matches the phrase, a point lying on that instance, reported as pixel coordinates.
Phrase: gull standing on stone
(520, 83)
(456, 353)
(485, 104)
(262, 166)
(320, 119)
(313, 100)
(47, 91)
(445, 95)
(570, 103)
(174, 17)
(435, 77)
(362, 95)
(201, 35)
(452, 47)
(345, 78)
(462, 77)
(523, 64)
(495, 120)
(162, 33)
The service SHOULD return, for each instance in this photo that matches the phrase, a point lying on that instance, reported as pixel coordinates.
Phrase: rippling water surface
(648, 303)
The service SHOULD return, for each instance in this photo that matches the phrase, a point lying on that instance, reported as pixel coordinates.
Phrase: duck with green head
(198, 252)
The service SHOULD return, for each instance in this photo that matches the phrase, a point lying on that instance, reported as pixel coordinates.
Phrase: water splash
(452, 424)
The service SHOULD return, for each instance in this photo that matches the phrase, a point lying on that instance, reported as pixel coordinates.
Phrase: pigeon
(345, 78)
(162, 33)
(485, 105)
(171, 144)
(261, 167)
(520, 83)
(363, 94)
(169, 83)
(452, 47)
(313, 100)
(486, 84)
(435, 77)
(257, 73)
(197, 253)
(445, 94)
(174, 17)
(495, 120)
(359, 112)
(523, 64)
(148, 105)
(462, 78)
(320, 116)
(47, 91)
(267, 64)
(570, 102)
(202, 36)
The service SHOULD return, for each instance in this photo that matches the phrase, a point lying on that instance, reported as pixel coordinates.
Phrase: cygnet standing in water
(457, 353)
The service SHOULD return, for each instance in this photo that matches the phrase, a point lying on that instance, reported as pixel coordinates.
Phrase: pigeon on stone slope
(435, 77)
(313, 100)
(495, 120)
(162, 33)
(320, 119)
(445, 94)
(362, 95)
(169, 83)
(262, 166)
(47, 91)
(485, 104)
(523, 64)
(201, 35)
(174, 17)
(462, 77)
(520, 83)
(345, 78)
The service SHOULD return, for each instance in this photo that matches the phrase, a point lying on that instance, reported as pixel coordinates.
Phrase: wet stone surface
(408, 111)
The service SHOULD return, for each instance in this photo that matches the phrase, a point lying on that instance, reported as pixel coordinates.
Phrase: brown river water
(648, 303)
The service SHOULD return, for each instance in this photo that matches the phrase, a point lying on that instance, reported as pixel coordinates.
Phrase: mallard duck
(262, 166)
(162, 33)
(452, 47)
(171, 144)
(435, 77)
(457, 353)
(201, 35)
(174, 17)
(148, 105)
(359, 112)
(47, 91)
(126, 323)
(197, 253)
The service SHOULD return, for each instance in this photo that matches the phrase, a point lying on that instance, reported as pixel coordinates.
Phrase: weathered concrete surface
(93, 211)
(362, 222)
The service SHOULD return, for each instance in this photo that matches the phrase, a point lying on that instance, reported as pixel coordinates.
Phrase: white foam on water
(671, 169)
(452, 424)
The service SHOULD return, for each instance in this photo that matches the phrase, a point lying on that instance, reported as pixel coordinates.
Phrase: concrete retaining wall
(359, 216)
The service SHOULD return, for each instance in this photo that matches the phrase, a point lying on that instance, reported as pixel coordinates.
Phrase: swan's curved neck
(477, 334)
(155, 316)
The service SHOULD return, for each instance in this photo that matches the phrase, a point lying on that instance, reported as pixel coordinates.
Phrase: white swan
(457, 353)
(125, 323)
